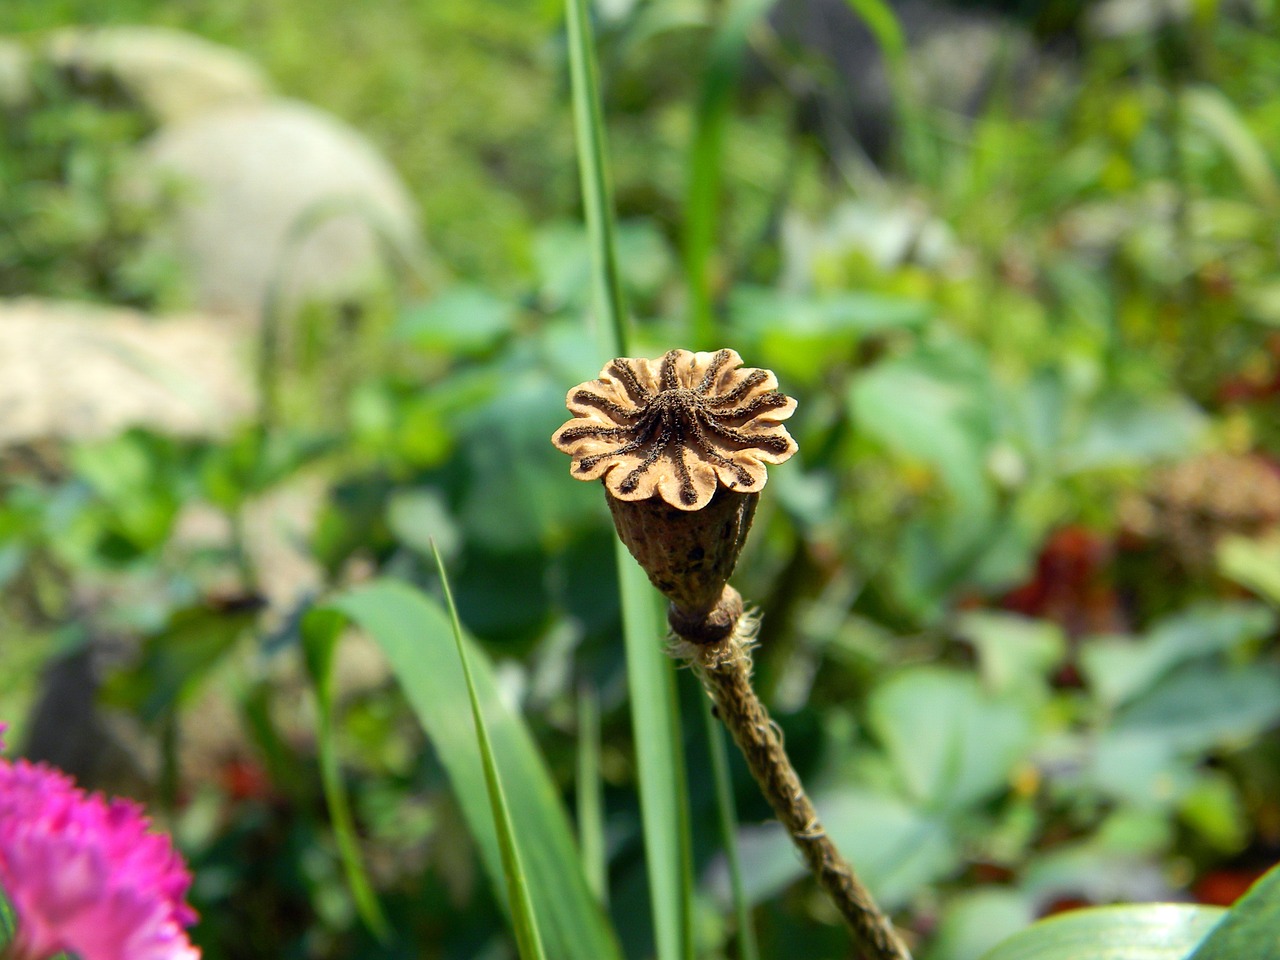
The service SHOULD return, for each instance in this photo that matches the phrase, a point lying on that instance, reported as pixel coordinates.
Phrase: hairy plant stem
(724, 667)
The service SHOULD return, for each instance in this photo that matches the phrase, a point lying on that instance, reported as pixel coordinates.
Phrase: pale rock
(279, 198)
(170, 74)
(80, 371)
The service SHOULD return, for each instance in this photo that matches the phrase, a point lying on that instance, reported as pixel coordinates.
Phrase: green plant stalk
(523, 919)
(597, 191)
(654, 708)
(664, 805)
(590, 804)
(706, 179)
(748, 949)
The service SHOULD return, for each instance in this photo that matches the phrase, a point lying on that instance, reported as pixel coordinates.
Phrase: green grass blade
(417, 637)
(706, 179)
(655, 713)
(1251, 928)
(320, 632)
(590, 804)
(879, 18)
(664, 794)
(748, 948)
(597, 192)
(525, 924)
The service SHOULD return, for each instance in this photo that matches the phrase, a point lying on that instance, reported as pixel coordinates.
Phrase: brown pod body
(688, 554)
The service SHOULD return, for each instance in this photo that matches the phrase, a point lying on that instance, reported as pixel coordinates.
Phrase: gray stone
(278, 192)
(172, 75)
(79, 371)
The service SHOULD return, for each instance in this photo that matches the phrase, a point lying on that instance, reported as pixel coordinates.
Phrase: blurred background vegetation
(1018, 262)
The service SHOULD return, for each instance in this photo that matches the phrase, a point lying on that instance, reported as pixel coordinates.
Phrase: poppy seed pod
(681, 444)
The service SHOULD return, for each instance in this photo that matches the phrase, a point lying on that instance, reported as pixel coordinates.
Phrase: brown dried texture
(1193, 504)
(678, 428)
(725, 671)
(688, 556)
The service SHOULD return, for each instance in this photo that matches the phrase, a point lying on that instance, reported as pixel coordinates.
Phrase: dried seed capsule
(681, 445)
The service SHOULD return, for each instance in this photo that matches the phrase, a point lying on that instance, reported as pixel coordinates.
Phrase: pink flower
(84, 874)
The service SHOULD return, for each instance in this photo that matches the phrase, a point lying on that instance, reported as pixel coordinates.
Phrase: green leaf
(416, 636)
(664, 794)
(1210, 110)
(1199, 707)
(321, 630)
(1125, 430)
(528, 940)
(977, 920)
(462, 321)
(897, 848)
(1254, 564)
(703, 191)
(1118, 669)
(950, 743)
(799, 336)
(1251, 930)
(1157, 931)
(1015, 653)
(726, 813)
(597, 190)
(933, 406)
(590, 802)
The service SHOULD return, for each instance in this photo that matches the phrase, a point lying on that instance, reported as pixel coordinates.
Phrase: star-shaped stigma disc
(677, 428)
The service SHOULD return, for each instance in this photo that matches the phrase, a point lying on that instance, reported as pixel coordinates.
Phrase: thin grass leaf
(1209, 109)
(664, 799)
(320, 632)
(416, 635)
(590, 804)
(597, 190)
(706, 170)
(664, 794)
(748, 948)
(879, 18)
(523, 921)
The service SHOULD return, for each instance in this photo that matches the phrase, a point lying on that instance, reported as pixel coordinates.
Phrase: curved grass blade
(1251, 928)
(320, 632)
(417, 638)
(748, 948)
(525, 924)
(706, 179)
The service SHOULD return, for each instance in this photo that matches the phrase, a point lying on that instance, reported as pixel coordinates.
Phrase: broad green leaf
(896, 848)
(1118, 669)
(933, 406)
(1015, 653)
(1126, 430)
(528, 940)
(1196, 708)
(1156, 931)
(1251, 929)
(1254, 564)
(799, 336)
(416, 636)
(462, 321)
(950, 743)
(977, 920)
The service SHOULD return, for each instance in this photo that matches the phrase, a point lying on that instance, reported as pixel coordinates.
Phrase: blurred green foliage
(1007, 694)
